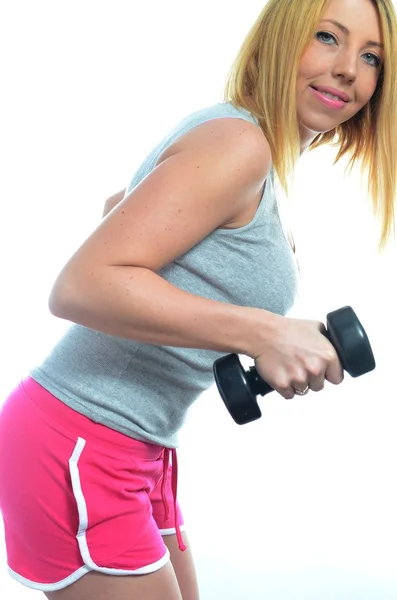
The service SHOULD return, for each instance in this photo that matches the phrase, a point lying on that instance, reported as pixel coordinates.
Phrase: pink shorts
(77, 496)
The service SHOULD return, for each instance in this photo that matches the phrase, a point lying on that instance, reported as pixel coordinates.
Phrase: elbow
(60, 300)
(73, 299)
(54, 305)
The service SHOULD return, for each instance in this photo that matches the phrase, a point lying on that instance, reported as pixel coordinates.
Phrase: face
(347, 61)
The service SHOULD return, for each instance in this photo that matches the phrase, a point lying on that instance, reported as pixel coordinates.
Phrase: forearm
(137, 303)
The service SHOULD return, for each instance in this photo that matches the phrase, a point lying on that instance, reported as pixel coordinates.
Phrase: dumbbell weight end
(238, 388)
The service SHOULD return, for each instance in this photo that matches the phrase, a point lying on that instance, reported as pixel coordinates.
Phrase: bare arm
(111, 284)
(113, 201)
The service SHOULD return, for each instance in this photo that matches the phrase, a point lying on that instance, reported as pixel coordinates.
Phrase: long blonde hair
(263, 80)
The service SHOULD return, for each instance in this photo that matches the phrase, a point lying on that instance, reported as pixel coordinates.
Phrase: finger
(294, 390)
(288, 393)
(317, 382)
(334, 372)
(301, 382)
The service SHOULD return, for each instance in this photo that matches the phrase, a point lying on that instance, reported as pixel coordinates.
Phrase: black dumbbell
(239, 388)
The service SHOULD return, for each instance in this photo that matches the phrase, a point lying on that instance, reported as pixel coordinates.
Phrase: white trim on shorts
(89, 564)
(50, 587)
(171, 530)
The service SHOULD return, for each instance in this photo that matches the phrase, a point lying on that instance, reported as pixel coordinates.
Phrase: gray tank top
(144, 390)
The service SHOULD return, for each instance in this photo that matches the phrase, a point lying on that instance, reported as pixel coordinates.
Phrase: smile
(329, 101)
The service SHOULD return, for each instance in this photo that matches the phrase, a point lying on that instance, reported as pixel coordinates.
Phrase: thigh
(167, 514)
(183, 565)
(161, 585)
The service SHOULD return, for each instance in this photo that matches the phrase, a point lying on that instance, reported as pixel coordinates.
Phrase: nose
(346, 66)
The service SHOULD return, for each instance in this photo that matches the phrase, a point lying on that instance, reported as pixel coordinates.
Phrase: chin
(313, 131)
(319, 124)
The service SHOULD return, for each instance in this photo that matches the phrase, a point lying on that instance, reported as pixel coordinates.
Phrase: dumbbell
(238, 388)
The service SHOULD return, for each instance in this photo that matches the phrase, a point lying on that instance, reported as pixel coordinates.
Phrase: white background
(302, 503)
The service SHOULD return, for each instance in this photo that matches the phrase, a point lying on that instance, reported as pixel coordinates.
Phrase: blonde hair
(263, 80)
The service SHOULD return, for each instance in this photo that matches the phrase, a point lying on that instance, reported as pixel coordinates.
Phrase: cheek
(307, 72)
(312, 64)
(366, 91)
(304, 66)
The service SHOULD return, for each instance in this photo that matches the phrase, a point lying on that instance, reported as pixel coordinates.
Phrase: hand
(297, 355)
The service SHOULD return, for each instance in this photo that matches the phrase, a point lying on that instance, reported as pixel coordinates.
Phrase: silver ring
(302, 392)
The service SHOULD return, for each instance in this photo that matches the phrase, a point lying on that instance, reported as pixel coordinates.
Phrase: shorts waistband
(73, 421)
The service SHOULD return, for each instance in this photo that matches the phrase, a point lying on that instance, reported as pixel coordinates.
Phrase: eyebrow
(347, 32)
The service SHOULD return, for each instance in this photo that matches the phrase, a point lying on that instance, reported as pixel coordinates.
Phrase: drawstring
(164, 483)
(174, 485)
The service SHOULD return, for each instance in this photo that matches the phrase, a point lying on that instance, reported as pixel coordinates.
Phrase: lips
(341, 95)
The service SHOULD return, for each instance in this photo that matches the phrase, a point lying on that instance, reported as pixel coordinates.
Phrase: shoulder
(237, 139)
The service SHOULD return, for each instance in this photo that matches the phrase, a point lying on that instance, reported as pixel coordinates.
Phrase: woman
(191, 264)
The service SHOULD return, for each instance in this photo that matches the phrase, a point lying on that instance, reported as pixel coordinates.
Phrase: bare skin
(342, 61)
(184, 568)
(161, 585)
(175, 581)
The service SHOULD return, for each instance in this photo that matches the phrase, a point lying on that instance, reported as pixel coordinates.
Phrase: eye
(322, 33)
(374, 57)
